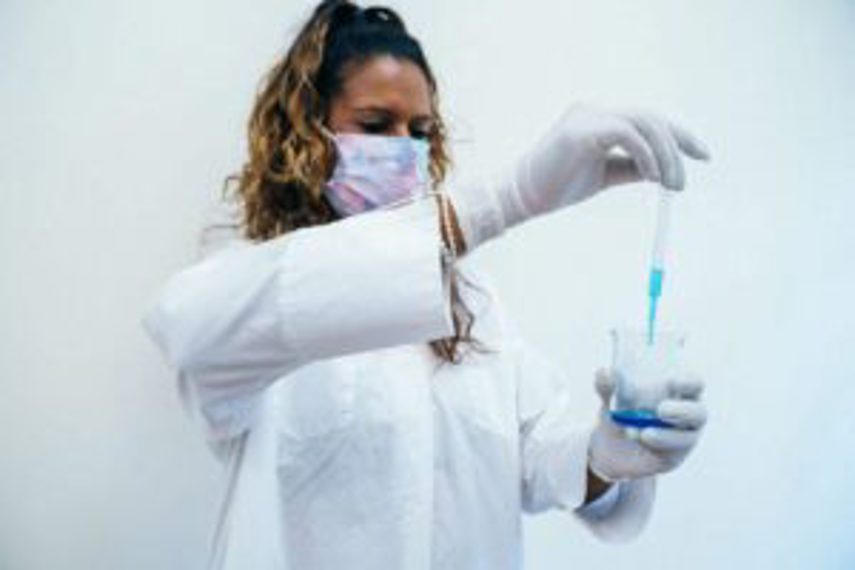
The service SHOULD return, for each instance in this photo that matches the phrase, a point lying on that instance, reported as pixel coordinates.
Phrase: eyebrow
(386, 111)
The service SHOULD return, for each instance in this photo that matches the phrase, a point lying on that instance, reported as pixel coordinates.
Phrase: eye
(420, 134)
(374, 127)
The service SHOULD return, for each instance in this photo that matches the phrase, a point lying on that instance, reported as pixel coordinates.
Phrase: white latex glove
(619, 453)
(576, 158)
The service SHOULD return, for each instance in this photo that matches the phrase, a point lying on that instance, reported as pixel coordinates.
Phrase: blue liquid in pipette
(654, 292)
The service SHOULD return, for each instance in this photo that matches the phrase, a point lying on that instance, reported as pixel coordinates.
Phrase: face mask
(376, 171)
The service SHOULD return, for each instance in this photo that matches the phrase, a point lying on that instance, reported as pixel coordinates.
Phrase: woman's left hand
(619, 453)
(588, 149)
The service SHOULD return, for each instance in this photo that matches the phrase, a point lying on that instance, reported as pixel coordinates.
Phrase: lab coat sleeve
(554, 455)
(622, 512)
(248, 313)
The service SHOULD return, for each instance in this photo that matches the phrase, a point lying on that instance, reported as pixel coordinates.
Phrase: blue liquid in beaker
(639, 418)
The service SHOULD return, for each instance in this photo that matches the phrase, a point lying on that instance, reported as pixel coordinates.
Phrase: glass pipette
(657, 261)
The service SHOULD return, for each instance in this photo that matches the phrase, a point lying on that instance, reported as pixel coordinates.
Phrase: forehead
(387, 82)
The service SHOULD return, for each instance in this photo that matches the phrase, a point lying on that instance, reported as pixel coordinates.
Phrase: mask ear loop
(329, 134)
(420, 194)
(332, 139)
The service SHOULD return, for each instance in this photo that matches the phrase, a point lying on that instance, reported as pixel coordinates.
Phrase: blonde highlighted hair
(280, 185)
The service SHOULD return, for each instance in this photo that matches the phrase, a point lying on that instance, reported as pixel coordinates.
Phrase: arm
(244, 316)
(575, 159)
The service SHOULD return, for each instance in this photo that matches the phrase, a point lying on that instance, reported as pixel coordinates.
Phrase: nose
(401, 130)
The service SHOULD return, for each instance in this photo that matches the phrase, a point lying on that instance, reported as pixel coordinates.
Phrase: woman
(354, 370)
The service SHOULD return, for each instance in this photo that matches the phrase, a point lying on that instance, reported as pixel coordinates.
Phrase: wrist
(597, 486)
(509, 188)
(478, 212)
(595, 459)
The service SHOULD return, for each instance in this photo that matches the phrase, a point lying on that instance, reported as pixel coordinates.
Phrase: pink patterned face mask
(376, 171)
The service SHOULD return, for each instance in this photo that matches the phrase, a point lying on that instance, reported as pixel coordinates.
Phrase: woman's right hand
(576, 158)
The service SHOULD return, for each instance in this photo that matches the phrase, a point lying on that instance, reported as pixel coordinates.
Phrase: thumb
(623, 170)
(605, 384)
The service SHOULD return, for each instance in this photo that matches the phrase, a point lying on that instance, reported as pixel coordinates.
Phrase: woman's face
(384, 96)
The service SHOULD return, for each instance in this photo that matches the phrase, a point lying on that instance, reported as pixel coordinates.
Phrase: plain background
(118, 121)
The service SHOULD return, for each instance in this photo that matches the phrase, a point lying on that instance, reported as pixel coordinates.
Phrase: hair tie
(383, 16)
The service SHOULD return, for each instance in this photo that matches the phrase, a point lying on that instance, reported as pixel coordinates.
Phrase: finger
(622, 170)
(664, 148)
(632, 433)
(625, 135)
(605, 384)
(689, 143)
(668, 439)
(689, 387)
(678, 173)
(686, 414)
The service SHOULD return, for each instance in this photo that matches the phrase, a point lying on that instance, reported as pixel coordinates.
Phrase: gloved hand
(618, 453)
(576, 158)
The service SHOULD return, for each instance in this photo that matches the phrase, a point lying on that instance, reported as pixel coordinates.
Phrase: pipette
(657, 261)
(641, 418)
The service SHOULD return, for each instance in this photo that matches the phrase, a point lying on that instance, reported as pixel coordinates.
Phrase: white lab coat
(346, 443)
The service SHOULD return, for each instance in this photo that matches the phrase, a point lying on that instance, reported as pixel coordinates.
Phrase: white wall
(118, 121)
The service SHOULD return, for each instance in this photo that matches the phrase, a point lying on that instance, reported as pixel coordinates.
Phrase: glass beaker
(643, 371)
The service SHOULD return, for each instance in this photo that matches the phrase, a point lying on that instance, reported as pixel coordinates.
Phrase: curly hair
(280, 185)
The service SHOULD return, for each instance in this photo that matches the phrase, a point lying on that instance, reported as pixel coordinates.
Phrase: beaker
(643, 370)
